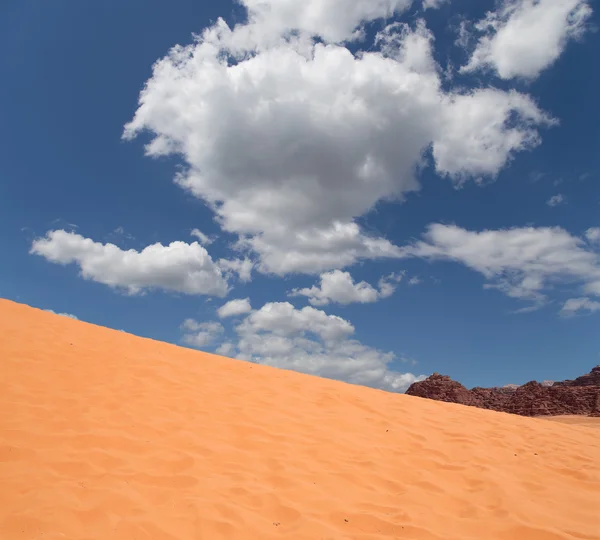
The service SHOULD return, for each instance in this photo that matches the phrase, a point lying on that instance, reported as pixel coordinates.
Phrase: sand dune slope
(104, 435)
(592, 422)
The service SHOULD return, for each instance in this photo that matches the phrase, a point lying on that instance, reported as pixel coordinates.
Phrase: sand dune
(573, 420)
(104, 435)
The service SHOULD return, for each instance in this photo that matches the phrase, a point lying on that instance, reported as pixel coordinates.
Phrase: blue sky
(430, 188)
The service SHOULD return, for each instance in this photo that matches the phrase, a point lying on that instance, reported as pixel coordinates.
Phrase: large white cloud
(332, 20)
(290, 141)
(522, 262)
(339, 287)
(310, 341)
(179, 267)
(524, 37)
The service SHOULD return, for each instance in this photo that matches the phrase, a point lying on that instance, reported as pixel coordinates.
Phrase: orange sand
(574, 420)
(107, 436)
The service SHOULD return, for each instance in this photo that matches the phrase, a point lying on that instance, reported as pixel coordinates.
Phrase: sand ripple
(107, 436)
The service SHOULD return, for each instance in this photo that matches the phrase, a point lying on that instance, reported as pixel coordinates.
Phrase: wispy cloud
(555, 200)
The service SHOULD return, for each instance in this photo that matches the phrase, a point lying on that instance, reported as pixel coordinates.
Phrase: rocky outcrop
(443, 388)
(580, 396)
(590, 379)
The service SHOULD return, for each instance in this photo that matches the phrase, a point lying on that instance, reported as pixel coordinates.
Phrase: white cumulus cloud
(524, 37)
(522, 262)
(178, 267)
(331, 20)
(311, 341)
(339, 287)
(235, 307)
(282, 319)
(289, 141)
(200, 334)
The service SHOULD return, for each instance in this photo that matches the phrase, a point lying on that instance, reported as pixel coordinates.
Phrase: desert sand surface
(574, 420)
(104, 435)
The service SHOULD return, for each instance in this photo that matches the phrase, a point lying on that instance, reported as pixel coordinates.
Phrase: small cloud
(235, 307)
(536, 176)
(65, 224)
(593, 234)
(69, 315)
(339, 287)
(387, 284)
(118, 236)
(433, 4)
(204, 239)
(555, 200)
(410, 361)
(464, 34)
(415, 280)
(573, 305)
(509, 51)
(539, 304)
(449, 72)
(121, 231)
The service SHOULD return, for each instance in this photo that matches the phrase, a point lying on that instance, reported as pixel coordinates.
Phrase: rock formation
(589, 379)
(579, 396)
